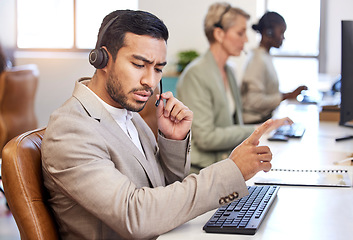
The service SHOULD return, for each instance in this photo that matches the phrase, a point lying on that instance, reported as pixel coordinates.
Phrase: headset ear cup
(98, 58)
(269, 32)
(105, 58)
(93, 57)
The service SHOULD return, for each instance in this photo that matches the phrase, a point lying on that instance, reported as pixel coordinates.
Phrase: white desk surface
(299, 212)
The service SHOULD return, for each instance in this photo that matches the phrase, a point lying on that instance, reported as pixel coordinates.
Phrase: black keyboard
(245, 215)
(284, 132)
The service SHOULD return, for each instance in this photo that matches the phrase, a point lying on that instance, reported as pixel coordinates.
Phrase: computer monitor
(346, 114)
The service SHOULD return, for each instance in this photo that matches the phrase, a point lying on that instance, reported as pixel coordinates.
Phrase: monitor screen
(346, 115)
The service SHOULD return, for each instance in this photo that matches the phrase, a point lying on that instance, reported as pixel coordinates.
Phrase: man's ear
(218, 34)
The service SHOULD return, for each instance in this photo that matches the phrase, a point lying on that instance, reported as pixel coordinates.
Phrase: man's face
(136, 71)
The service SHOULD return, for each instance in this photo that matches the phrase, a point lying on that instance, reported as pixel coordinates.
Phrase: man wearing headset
(107, 176)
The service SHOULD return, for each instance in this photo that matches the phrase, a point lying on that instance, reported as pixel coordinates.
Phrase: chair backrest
(18, 87)
(24, 187)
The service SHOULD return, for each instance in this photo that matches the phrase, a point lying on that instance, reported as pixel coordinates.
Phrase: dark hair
(137, 22)
(268, 21)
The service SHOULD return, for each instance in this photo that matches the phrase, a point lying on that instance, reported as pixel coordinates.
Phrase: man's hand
(251, 158)
(174, 118)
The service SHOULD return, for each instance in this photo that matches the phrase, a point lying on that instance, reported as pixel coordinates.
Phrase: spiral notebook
(309, 177)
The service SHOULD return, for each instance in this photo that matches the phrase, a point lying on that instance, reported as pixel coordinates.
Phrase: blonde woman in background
(208, 87)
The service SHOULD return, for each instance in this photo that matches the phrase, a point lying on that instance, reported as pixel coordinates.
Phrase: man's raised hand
(251, 158)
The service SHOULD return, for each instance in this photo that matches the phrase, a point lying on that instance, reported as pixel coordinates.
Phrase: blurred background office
(58, 35)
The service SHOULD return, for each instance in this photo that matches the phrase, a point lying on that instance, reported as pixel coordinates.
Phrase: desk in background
(323, 213)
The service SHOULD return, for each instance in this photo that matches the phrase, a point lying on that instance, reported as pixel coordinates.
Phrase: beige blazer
(102, 187)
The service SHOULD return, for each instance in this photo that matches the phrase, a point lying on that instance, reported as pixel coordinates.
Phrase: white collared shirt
(123, 118)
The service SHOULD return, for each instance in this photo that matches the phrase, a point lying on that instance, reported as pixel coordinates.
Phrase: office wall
(7, 26)
(184, 18)
(338, 10)
(58, 71)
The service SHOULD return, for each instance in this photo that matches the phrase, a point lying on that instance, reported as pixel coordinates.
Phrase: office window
(90, 15)
(45, 24)
(63, 24)
(303, 26)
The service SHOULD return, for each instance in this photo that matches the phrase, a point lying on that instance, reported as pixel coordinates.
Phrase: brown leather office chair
(18, 87)
(24, 189)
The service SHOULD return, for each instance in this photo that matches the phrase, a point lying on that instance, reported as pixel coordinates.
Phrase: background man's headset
(98, 57)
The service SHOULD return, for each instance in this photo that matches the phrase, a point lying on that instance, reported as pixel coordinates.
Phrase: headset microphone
(160, 94)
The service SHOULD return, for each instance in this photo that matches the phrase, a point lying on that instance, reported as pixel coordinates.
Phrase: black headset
(269, 28)
(219, 23)
(98, 57)
(269, 32)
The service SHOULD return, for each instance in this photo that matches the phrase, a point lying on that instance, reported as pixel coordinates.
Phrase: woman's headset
(269, 32)
(269, 28)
